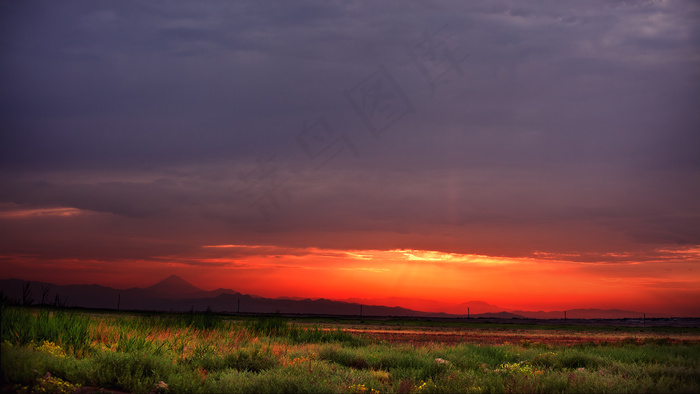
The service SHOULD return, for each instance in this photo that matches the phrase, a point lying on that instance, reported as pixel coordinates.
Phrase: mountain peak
(174, 285)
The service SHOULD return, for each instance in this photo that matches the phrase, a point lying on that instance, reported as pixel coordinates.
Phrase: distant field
(75, 351)
(418, 332)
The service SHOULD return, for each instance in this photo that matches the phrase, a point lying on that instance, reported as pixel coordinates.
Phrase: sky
(535, 155)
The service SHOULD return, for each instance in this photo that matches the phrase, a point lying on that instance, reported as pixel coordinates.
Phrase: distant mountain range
(472, 307)
(176, 294)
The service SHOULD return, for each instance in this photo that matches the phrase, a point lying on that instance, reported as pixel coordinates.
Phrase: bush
(253, 362)
(132, 372)
(21, 365)
(206, 358)
(574, 360)
(279, 380)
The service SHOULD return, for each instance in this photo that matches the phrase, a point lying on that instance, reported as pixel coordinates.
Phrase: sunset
(545, 281)
(531, 157)
(340, 196)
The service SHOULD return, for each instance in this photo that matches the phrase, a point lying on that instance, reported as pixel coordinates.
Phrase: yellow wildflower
(51, 349)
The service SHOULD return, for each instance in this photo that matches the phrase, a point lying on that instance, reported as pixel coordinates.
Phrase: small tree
(57, 301)
(27, 294)
(45, 293)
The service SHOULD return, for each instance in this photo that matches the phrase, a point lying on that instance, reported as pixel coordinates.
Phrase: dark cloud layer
(533, 126)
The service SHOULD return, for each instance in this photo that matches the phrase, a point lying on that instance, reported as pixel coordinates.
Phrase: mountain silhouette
(176, 294)
(425, 305)
(173, 285)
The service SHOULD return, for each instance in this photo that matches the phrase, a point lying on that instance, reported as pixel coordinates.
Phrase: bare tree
(57, 301)
(45, 293)
(27, 294)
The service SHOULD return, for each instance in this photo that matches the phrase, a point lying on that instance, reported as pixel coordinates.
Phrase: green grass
(280, 328)
(206, 352)
(512, 324)
(68, 329)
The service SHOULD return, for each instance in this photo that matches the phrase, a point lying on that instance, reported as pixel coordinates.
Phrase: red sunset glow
(542, 281)
(419, 156)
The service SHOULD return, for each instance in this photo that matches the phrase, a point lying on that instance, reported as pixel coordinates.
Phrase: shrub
(134, 372)
(253, 362)
(575, 360)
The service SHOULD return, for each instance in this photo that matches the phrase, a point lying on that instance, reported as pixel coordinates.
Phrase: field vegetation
(64, 351)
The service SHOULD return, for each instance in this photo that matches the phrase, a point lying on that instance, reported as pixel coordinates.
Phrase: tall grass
(198, 320)
(278, 327)
(23, 326)
(201, 353)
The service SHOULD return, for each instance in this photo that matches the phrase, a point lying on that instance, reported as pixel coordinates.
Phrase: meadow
(64, 351)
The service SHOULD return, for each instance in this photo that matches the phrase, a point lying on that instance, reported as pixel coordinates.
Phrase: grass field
(67, 351)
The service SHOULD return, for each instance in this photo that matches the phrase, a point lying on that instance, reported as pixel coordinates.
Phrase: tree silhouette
(27, 294)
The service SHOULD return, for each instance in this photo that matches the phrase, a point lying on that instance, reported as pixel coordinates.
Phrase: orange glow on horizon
(543, 281)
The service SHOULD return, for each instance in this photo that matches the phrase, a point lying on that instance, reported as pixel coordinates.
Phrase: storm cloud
(489, 127)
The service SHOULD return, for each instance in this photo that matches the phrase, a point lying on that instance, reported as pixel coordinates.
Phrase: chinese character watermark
(266, 187)
(379, 101)
(321, 143)
(437, 55)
